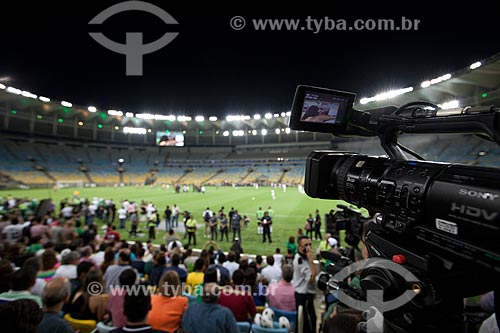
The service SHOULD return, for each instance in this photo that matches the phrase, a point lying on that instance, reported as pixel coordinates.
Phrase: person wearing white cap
(332, 242)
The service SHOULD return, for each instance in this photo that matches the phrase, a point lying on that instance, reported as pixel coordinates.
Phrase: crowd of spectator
(54, 269)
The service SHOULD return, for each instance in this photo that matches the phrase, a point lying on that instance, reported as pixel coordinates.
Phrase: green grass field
(291, 208)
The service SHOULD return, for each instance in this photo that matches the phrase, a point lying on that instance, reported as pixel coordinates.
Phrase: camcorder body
(440, 221)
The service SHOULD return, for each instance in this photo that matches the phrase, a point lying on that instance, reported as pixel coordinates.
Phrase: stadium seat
(260, 329)
(191, 298)
(84, 326)
(260, 308)
(244, 326)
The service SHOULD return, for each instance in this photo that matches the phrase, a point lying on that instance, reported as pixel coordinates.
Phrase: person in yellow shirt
(190, 228)
(194, 281)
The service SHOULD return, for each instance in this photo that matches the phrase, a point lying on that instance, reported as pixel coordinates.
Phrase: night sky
(212, 69)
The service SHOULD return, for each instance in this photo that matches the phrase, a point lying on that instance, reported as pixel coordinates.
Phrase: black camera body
(441, 221)
(451, 208)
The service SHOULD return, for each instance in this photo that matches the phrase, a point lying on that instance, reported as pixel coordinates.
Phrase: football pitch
(291, 209)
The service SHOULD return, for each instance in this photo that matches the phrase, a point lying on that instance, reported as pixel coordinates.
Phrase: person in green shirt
(291, 245)
(270, 211)
(36, 245)
(259, 214)
(23, 281)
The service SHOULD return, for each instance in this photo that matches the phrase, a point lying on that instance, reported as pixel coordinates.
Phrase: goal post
(70, 183)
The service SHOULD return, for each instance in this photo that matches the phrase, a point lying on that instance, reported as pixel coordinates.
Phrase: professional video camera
(440, 221)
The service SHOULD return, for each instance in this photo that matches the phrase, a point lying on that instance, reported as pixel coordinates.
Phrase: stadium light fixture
(276, 115)
(288, 113)
(475, 65)
(425, 84)
(2, 86)
(199, 118)
(66, 104)
(121, 160)
(254, 132)
(145, 116)
(283, 114)
(28, 94)
(238, 133)
(268, 115)
(287, 130)
(115, 113)
(234, 118)
(439, 79)
(129, 115)
(44, 99)
(183, 118)
(14, 91)
(263, 132)
(213, 118)
(386, 95)
(225, 133)
(92, 109)
(449, 105)
(134, 130)
(277, 131)
(256, 116)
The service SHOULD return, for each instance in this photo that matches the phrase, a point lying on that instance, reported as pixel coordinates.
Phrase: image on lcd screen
(172, 139)
(322, 108)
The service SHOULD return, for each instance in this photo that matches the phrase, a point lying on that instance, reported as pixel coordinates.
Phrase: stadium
(118, 171)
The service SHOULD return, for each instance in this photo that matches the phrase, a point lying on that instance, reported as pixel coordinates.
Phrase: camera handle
(480, 120)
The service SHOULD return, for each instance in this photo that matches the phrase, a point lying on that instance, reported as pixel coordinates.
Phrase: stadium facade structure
(44, 141)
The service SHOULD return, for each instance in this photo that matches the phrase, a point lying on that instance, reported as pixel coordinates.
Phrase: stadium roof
(478, 83)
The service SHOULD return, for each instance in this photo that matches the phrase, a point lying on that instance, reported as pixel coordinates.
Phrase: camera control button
(416, 189)
(399, 259)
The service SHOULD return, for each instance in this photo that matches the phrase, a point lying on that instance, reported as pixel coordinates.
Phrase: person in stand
(55, 294)
(136, 307)
(266, 224)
